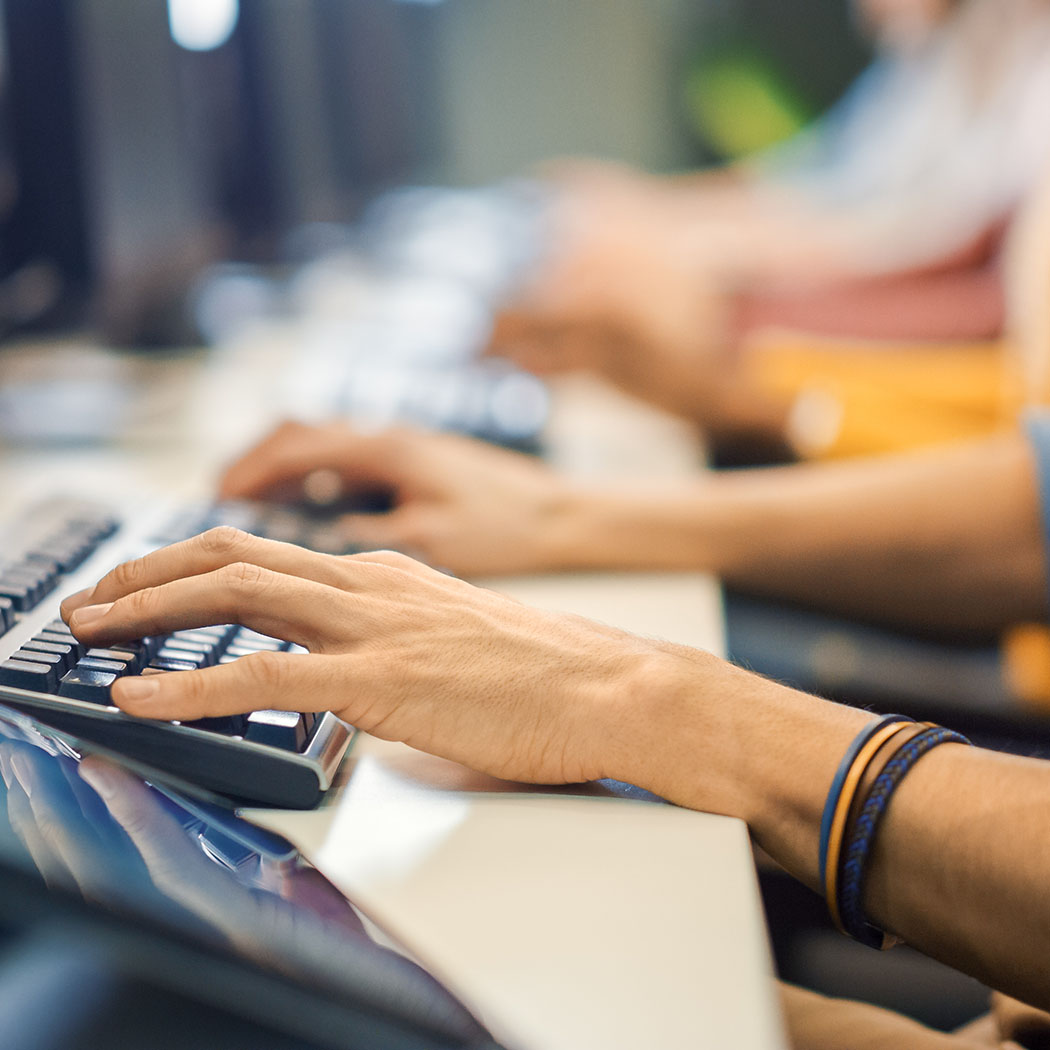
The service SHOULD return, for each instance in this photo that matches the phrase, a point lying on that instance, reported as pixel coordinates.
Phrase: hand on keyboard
(284, 758)
(458, 503)
(397, 649)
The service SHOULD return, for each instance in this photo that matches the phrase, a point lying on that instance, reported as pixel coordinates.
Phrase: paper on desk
(565, 923)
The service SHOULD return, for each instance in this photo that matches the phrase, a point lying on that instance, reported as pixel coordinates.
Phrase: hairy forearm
(959, 868)
(959, 864)
(945, 539)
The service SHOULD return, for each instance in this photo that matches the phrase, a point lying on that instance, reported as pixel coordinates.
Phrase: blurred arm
(949, 538)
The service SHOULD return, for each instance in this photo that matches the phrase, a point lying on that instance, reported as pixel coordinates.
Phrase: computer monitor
(44, 263)
(143, 155)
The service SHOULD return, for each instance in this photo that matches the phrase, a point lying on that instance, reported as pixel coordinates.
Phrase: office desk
(567, 919)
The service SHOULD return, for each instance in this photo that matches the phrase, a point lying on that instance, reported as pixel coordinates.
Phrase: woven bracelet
(877, 744)
(836, 785)
(862, 833)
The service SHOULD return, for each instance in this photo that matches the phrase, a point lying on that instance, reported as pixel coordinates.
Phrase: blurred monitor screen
(142, 139)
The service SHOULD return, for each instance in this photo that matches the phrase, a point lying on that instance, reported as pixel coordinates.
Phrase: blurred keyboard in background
(392, 314)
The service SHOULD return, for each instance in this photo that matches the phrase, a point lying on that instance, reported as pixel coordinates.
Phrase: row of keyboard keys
(54, 662)
(314, 529)
(31, 575)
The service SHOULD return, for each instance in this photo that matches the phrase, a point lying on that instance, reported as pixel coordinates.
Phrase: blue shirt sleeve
(1037, 426)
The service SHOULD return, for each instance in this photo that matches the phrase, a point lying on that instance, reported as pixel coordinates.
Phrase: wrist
(674, 736)
(666, 526)
(707, 735)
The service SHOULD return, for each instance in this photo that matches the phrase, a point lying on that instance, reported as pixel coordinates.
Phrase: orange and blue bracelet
(849, 887)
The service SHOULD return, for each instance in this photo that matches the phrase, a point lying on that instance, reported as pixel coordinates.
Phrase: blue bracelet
(836, 785)
(855, 856)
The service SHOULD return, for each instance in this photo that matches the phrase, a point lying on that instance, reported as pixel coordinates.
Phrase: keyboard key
(161, 663)
(254, 640)
(141, 652)
(60, 639)
(7, 614)
(116, 667)
(283, 729)
(67, 652)
(44, 568)
(28, 674)
(131, 662)
(83, 683)
(211, 636)
(67, 553)
(19, 594)
(202, 653)
(190, 657)
(36, 584)
(53, 660)
(236, 651)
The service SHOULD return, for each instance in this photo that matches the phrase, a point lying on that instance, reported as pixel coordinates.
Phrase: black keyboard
(277, 758)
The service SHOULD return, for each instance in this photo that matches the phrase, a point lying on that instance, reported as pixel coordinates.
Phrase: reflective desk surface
(566, 919)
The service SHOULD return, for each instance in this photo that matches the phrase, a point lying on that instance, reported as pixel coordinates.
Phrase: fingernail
(89, 614)
(79, 598)
(134, 688)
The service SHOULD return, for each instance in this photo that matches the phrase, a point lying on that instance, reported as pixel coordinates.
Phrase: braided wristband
(836, 785)
(886, 737)
(862, 833)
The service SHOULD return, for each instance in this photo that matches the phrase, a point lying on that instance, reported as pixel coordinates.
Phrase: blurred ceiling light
(202, 25)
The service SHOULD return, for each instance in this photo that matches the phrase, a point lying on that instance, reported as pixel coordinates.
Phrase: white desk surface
(567, 921)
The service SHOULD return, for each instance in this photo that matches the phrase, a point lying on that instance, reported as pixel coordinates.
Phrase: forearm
(960, 855)
(949, 538)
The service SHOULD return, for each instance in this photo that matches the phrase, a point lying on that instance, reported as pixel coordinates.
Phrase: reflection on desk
(564, 922)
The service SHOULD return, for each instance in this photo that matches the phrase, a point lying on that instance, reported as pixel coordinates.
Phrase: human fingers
(207, 552)
(272, 603)
(294, 452)
(261, 681)
(281, 459)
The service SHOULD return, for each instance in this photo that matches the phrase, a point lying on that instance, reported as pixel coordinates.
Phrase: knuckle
(243, 577)
(192, 690)
(265, 671)
(141, 605)
(126, 578)
(225, 541)
(393, 559)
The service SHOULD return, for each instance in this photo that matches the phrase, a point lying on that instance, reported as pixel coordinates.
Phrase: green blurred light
(739, 104)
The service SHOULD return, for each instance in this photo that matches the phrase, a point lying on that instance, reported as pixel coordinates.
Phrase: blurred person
(884, 220)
